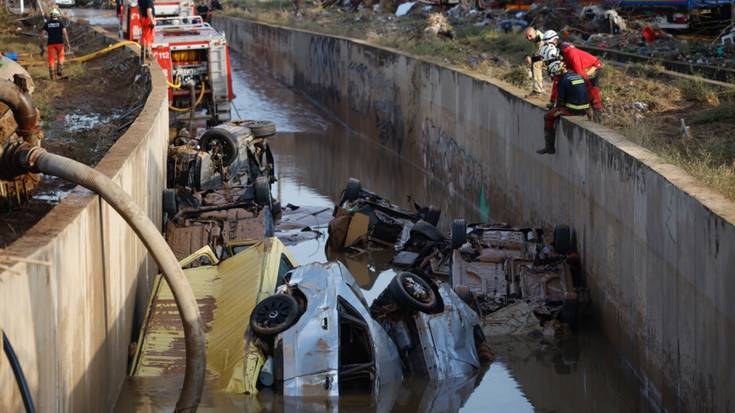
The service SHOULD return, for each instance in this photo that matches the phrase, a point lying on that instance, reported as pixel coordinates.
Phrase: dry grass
(708, 153)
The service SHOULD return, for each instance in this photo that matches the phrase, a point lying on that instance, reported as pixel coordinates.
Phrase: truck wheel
(274, 315)
(263, 191)
(261, 128)
(170, 206)
(432, 215)
(413, 293)
(352, 190)
(459, 233)
(563, 239)
(225, 140)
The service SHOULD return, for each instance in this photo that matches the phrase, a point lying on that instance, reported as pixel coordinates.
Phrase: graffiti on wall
(444, 158)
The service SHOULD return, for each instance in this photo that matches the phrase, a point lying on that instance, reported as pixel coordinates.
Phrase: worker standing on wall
(57, 36)
(585, 65)
(147, 23)
(535, 61)
(571, 100)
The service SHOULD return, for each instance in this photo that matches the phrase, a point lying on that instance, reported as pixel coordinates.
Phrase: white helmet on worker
(556, 68)
(551, 35)
(55, 12)
(549, 52)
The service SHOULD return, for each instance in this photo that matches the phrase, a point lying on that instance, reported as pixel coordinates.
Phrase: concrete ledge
(70, 321)
(657, 246)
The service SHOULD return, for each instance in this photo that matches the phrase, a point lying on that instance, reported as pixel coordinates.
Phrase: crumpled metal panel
(311, 346)
(226, 292)
(447, 338)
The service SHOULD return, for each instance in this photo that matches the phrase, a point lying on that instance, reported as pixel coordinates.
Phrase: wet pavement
(315, 156)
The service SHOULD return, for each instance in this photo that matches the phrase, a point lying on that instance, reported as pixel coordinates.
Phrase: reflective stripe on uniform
(577, 107)
(577, 82)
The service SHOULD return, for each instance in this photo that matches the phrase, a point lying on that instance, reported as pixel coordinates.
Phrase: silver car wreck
(324, 340)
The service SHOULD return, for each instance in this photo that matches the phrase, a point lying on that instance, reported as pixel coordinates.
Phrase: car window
(284, 267)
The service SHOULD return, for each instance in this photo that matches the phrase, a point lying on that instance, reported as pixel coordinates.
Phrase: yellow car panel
(227, 292)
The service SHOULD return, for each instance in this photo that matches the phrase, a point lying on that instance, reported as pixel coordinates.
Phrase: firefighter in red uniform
(147, 23)
(571, 100)
(57, 35)
(584, 64)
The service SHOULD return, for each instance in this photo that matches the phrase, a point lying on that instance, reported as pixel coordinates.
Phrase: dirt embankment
(687, 122)
(83, 114)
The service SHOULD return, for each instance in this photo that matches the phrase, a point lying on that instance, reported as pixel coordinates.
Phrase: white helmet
(55, 12)
(550, 35)
(549, 52)
(556, 68)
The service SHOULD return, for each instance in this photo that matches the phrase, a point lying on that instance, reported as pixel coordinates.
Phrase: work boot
(60, 70)
(549, 148)
(52, 73)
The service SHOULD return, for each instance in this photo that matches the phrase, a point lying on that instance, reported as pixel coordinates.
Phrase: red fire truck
(195, 58)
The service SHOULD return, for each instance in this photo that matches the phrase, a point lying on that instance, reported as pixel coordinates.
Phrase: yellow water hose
(199, 100)
(91, 56)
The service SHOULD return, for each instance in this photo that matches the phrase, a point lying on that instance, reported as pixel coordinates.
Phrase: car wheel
(263, 191)
(225, 140)
(563, 239)
(427, 230)
(261, 128)
(412, 292)
(459, 233)
(352, 190)
(433, 214)
(274, 315)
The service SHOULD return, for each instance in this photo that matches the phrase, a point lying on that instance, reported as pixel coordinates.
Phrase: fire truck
(195, 58)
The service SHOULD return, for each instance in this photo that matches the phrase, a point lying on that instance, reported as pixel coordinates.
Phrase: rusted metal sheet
(226, 293)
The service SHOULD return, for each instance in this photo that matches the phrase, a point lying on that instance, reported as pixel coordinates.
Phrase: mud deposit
(82, 115)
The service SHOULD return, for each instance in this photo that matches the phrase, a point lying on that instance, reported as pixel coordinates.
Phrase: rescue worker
(584, 64)
(535, 61)
(57, 36)
(571, 100)
(147, 23)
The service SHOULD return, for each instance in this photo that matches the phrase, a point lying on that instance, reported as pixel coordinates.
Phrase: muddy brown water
(315, 155)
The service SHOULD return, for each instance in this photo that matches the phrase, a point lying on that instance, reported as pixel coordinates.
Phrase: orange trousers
(55, 52)
(146, 35)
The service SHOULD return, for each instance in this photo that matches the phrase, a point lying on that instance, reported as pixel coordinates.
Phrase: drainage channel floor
(315, 156)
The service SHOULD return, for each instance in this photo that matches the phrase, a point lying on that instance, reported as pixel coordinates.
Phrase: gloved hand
(549, 105)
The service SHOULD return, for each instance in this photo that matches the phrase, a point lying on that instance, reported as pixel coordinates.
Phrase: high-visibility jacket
(572, 92)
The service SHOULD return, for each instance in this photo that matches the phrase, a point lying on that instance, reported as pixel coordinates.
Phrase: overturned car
(323, 339)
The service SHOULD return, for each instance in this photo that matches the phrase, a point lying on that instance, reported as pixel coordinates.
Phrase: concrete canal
(315, 156)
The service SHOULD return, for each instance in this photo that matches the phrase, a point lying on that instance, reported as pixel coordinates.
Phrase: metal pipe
(23, 157)
(20, 103)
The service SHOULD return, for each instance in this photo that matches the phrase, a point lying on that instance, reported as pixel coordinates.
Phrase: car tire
(225, 139)
(352, 190)
(170, 205)
(459, 233)
(263, 191)
(433, 214)
(563, 239)
(427, 230)
(261, 128)
(413, 293)
(274, 315)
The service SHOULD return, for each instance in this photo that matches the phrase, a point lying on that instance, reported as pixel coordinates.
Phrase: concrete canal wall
(68, 306)
(657, 247)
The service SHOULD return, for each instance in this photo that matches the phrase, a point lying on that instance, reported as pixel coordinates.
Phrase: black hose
(20, 378)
